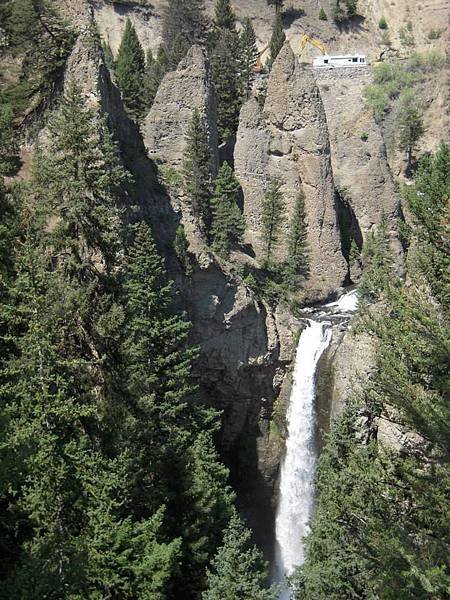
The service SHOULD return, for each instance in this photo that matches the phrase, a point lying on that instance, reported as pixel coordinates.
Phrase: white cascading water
(297, 471)
(296, 492)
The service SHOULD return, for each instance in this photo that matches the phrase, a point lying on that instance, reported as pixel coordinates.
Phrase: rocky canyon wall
(288, 140)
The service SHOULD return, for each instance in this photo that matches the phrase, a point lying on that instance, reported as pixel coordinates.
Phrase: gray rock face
(180, 93)
(289, 140)
(358, 155)
(239, 366)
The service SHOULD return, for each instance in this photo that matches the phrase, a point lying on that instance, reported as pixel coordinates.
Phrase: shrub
(364, 136)
(323, 15)
(434, 34)
(382, 23)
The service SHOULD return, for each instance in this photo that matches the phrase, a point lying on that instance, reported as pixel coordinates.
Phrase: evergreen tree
(184, 24)
(157, 362)
(207, 506)
(377, 265)
(223, 15)
(181, 247)
(197, 168)
(109, 57)
(8, 144)
(277, 40)
(272, 209)
(249, 54)
(379, 529)
(225, 65)
(155, 69)
(79, 183)
(228, 223)
(129, 70)
(238, 570)
(410, 123)
(296, 268)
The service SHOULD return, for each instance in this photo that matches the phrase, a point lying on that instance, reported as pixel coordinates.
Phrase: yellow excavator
(307, 40)
(258, 66)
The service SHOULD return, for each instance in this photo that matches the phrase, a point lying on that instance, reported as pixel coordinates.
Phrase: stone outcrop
(242, 358)
(358, 155)
(182, 91)
(288, 139)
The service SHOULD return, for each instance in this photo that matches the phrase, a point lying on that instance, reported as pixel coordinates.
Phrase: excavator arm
(258, 66)
(316, 43)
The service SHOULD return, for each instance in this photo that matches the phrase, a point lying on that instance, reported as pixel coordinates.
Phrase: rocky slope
(288, 140)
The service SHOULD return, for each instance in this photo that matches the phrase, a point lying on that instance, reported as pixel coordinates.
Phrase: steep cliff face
(180, 93)
(240, 368)
(288, 140)
(358, 155)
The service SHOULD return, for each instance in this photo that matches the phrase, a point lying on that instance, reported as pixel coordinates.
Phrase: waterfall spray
(297, 472)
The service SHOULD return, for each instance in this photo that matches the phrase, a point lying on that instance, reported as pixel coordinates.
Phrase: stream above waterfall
(296, 485)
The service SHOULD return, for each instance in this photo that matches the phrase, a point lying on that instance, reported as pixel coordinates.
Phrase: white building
(337, 61)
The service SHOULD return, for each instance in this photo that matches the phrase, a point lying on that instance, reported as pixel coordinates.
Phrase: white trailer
(328, 61)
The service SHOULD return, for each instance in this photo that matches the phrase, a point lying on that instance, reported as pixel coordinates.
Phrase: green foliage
(277, 40)
(390, 79)
(78, 185)
(381, 526)
(322, 14)
(108, 56)
(296, 267)
(181, 247)
(225, 64)
(249, 54)
(238, 570)
(197, 168)
(228, 223)
(382, 23)
(377, 264)
(183, 25)
(8, 144)
(129, 71)
(343, 10)
(410, 122)
(224, 16)
(272, 209)
(428, 201)
(155, 69)
(434, 34)
(407, 36)
(225, 56)
(24, 22)
(110, 482)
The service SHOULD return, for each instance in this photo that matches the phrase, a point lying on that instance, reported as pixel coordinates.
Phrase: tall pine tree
(296, 267)
(155, 69)
(272, 209)
(249, 54)
(129, 69)
(238, 569)
(225, 64)
(197, 168)
(277, 40)
(184, 24)
(228, 223)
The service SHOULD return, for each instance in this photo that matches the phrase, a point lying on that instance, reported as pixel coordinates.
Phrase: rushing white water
(296, 493)
(297, 471)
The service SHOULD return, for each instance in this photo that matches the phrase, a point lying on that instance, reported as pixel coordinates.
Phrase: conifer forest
(224, 300)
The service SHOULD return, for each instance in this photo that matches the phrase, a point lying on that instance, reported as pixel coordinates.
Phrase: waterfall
(296, 492)
(297, 471)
